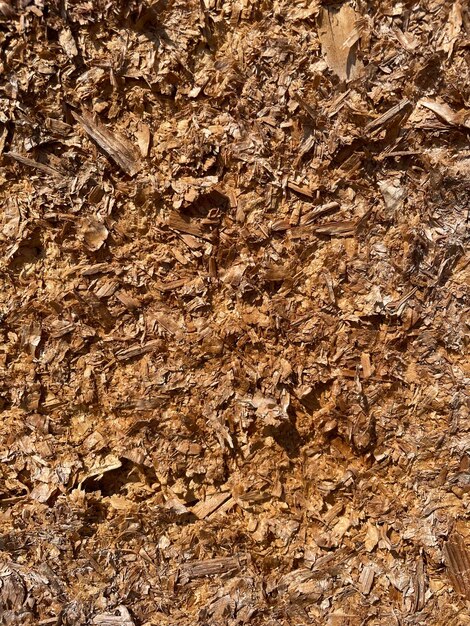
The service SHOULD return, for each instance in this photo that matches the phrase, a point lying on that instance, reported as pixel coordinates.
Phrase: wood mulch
(234, 297)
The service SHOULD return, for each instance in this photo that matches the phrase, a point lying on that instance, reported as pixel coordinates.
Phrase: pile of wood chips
(234, 306)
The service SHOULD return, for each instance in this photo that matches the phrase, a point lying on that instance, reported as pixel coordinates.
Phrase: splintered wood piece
(306, 107)
(107, 289)
(457, 560)
(301, 189)
(343, 228)
(136, 350)
(183, 224)
(389, 115)
(128, 301)
(333, 513)
(47, 169)
(168, 324)
(210, 505)
(116, 146)
(309, 217)
(210, 567)
(94, 234)
(67, 42)
(108, 464)
(226, 506)
(420, 586)
(366, 579)
(366, 365)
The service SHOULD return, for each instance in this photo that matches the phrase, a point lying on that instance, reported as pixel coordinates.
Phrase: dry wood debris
(234, 306)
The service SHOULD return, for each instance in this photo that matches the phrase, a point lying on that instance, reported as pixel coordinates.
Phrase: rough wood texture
(234, 313)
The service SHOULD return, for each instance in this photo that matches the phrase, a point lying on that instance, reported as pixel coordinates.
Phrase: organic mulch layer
(234, 298)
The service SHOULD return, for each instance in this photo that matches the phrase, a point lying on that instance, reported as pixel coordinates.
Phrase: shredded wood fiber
(234, 373)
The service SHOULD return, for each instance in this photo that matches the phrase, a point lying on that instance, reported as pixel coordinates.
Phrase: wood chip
(210, 567)
(34, 164)
(338, 38)
(457, 560)
(457, 118)
(116, 146)
(210, 505)
(389, 115)
(366, 579)
(343, 228)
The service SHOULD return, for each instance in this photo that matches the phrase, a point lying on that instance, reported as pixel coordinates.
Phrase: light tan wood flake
(208, 506)
(108, 619)
(344, 228)
(137, 350)
(182, 224)
(366, 579)
(338, 37)
(301, 189)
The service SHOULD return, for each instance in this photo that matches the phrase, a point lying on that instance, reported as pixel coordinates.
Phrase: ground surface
(234, 289)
